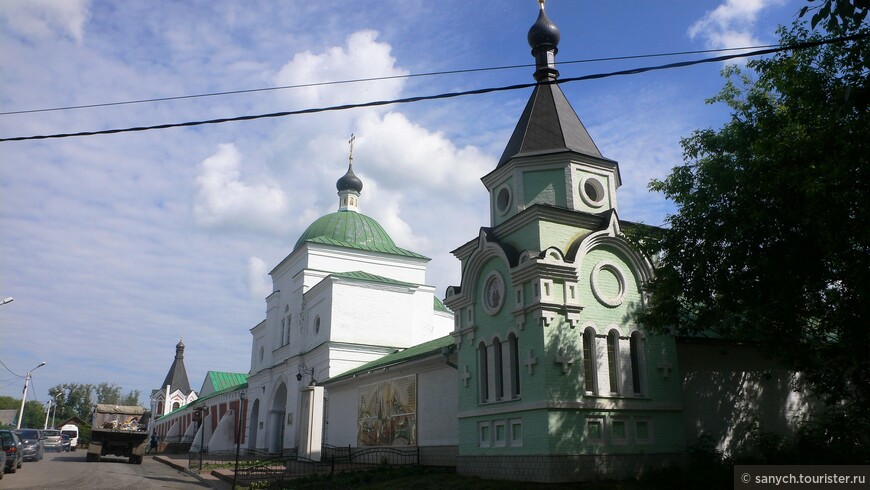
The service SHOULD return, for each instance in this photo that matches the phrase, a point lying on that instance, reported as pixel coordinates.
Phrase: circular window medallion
(493, 293)
(503, 199)
(608, 283)
(592, 191)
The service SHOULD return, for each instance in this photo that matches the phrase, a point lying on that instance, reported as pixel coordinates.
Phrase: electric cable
(406, 100)
(7, 368)
(373, 79)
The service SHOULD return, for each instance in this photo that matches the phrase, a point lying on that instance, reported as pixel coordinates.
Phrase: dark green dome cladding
(355, 230)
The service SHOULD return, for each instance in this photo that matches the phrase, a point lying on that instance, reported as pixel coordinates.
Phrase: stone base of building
(438, 455)
(564, 468)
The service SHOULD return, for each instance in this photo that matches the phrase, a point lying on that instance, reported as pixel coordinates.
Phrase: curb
(182, 468)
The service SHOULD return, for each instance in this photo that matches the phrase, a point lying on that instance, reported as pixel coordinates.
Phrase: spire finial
(543, 38)
(349, 186)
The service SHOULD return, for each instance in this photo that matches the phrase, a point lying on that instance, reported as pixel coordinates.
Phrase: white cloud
(223, 199)
(406, 155)
(41, 19)
(257, 278)
(361, 57)
(731, 24)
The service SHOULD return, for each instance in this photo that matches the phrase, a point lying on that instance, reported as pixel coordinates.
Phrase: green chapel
(557, 383)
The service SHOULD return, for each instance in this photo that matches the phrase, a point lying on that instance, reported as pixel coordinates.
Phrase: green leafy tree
(34, 414)
(73, 400)
(78, 399)
(771, 238)
(108, 393)
(837, 14)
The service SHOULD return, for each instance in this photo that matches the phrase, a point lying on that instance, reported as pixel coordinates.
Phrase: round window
(608, 283)
(503, 199)
(592, 191)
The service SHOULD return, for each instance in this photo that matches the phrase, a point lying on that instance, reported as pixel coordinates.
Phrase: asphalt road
(69, 470)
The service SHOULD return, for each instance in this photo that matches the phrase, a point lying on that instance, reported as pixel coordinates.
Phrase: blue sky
(115, 246)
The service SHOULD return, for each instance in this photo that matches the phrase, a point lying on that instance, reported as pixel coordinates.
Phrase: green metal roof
(425, 349)
(243, 385)
(220, 380)
(355, 230)
(439, 306)
(367, 277)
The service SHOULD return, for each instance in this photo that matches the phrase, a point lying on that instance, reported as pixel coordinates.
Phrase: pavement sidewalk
(220, 479)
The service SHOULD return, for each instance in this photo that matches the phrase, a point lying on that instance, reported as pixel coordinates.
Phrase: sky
(115, 246)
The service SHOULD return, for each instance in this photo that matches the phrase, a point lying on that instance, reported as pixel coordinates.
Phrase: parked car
(32, 444)
(64, 442)
(52, 440)
(12, 450)
(2, 464)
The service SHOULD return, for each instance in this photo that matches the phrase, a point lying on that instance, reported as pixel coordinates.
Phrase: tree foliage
(78, 399)
(771, 238)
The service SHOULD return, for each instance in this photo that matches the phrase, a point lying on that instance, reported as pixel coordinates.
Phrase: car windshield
(29, 434)
(69, 433)
(51, 433)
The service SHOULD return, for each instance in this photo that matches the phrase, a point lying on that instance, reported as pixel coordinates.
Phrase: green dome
(351, 229)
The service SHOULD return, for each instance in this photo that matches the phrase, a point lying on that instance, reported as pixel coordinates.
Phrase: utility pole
(47, 412)
(24, 395)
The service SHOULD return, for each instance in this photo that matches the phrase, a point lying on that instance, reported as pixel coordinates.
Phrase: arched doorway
(254, 426)
(276, 419)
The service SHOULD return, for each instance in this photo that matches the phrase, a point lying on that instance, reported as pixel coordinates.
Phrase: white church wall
(379, 315)
(344, 357)
(437, 405)
(437, 402)
(348, 260)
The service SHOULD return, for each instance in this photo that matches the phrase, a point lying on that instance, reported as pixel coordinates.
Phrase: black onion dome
(543, 33)
(349, 181)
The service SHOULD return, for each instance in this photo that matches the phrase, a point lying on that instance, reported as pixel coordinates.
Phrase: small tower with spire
(175, 391)
(349, 185)
(543, 319)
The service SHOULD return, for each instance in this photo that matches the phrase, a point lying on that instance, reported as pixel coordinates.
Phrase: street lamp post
(239, 434)
(24, 395)
(7, 300)
(199, 414)
(47, 413)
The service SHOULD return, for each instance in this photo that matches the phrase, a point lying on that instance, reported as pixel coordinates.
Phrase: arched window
(514, 349)
(175, 405)
(613, 360)
(281, 339)
(482, 373)
(637, 359)
(498, 357)
(589, 362)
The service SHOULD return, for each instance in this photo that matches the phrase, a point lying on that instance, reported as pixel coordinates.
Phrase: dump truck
(118, 430)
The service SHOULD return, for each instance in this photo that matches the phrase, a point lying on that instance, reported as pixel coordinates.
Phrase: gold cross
(352, 138)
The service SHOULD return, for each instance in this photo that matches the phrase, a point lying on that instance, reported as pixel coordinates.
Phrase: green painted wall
(545, 187)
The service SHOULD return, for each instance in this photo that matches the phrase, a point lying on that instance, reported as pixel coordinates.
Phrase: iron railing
(278, 471)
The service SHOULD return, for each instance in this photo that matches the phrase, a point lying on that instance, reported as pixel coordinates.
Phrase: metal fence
(280, 470)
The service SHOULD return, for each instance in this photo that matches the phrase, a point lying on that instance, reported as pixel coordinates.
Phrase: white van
(73, 432)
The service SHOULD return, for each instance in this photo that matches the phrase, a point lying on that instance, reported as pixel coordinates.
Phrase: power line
(13, 373)
(407, 100)
(374, 79)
